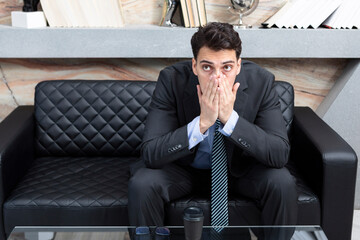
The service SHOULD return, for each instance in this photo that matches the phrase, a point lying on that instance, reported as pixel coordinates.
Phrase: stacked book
(79, 13)
(312, 14)
(193, 13)
(346, 16)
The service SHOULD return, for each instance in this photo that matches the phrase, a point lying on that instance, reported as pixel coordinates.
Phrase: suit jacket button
(240, 139)
(179, 146)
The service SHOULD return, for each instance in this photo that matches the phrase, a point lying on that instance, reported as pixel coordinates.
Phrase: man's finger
(199, 93)
(209, 86)
(213, 90)
(227, 87)
(217, 97)
(235, 88)
(224, 91)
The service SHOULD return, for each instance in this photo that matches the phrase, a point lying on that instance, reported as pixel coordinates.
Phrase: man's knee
(143, 181)
(281, 184)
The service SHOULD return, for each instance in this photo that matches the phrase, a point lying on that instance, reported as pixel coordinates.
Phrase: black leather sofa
(65, 160)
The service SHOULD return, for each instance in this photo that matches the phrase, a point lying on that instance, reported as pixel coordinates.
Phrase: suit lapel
(239, 107)
(241, 95)
(191, 100)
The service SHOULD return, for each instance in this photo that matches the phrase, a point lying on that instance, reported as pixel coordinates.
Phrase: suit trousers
(273, 190)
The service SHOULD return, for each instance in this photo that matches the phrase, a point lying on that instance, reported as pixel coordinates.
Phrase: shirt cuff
(194, 134)
(228, 128)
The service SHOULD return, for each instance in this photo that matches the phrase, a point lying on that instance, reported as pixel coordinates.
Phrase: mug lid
(193, 212)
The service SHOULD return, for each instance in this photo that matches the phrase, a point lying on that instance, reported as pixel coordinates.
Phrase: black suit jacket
(259, 136)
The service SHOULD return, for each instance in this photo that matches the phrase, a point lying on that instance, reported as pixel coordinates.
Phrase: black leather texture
(329, 167)
(91, 118)
(83, 135)
(75, 185)
(286, 97)
(16, 152)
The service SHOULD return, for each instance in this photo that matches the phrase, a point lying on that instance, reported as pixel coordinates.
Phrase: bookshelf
(150, 41)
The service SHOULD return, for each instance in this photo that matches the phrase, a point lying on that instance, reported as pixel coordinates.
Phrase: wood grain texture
(311, 78)
(6, 7)
(7, 102)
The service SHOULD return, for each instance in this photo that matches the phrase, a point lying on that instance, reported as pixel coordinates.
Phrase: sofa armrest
(329, 166)
(16, 147)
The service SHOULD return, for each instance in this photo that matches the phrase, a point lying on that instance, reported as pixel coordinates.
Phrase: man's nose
(217, 73)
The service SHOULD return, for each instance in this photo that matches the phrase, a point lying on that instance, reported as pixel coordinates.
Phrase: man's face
(212, 65)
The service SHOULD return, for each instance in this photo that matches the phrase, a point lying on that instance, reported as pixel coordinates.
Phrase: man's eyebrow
(206, 61)
(230, 61)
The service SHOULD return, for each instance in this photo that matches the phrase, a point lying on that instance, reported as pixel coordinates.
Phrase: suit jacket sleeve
(164, 140)
(266, 139)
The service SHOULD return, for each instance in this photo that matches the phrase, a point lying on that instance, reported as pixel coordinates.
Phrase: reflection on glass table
(176, 233)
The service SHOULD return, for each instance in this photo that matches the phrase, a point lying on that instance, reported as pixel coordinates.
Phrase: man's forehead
(224, 56)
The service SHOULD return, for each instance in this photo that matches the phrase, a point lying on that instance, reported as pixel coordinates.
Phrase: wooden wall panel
(312, 78)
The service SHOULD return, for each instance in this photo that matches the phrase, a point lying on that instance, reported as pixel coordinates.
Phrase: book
(79, 13)
(202, 12)
(346, 16)
(185, 14)
(195, 11)
(45, 4)
(303, 14)
(190, 13)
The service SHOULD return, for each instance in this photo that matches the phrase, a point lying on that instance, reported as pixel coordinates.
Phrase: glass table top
(176, 233)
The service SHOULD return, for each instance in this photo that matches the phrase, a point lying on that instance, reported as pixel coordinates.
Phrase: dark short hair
(216, 36)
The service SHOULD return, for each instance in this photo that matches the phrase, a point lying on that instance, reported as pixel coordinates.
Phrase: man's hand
(226, 99)
(209, 104)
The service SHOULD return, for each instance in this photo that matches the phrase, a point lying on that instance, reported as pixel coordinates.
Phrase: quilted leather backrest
(104, 118)
(91, 118)
(286, 97)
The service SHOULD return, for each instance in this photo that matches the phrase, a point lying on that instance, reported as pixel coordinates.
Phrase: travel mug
(193, 223)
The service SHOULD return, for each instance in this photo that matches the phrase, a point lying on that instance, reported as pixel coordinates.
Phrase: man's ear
(239, 66)
(194, 66)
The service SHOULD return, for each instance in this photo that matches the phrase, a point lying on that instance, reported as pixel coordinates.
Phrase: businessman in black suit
(176, 150)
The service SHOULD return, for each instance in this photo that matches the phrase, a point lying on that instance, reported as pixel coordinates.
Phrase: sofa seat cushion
(243, 211)
(89, 191)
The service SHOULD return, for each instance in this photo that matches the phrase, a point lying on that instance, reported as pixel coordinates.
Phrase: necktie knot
(217, 124)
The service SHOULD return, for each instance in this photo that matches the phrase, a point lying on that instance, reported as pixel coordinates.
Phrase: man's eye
(227, 68)
(206, 68)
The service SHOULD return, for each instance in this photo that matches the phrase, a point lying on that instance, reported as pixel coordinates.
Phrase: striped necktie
(219, 181)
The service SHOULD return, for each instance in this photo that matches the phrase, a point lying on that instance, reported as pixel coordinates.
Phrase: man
(180, 128)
